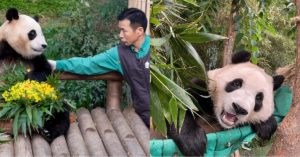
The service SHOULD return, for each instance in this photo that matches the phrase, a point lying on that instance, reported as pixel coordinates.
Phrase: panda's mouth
(38, 50)
(228, 119)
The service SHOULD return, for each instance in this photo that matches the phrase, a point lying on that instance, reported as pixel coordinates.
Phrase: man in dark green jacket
(131, 58)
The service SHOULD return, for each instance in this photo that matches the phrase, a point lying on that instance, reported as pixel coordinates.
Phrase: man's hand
(52, 64)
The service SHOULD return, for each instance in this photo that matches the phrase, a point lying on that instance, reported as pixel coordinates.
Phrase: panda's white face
(25, 36)
(242, 93)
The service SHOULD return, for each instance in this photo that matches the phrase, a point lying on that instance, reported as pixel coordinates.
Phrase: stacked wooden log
(95, 133)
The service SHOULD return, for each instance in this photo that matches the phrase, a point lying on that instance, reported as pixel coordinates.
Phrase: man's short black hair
(136, 17)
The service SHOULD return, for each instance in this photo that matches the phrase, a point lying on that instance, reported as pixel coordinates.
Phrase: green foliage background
(75, 28)
(263, 28)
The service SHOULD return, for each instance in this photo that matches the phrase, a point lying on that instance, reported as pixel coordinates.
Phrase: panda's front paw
(46, 135)
(266, 129)
(192, 143)
(191, 140)
(57, 125)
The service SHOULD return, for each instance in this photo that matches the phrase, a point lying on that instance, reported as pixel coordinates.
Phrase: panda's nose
(44, 46)
(239, 110)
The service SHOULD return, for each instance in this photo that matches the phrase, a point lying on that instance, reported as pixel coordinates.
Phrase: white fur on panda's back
(15, 33)
(255, 80)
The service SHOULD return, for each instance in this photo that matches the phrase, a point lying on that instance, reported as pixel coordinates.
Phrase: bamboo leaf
(70, 103)
(47, 111)
(190, 59)
(201, 37)
(172, 88)
(173, 110)
(23, 123)
(29, 113)
(14, 111)
(34, 117)
(181, 117)
(30, 126)
(193, 2)
(4, 111)
(39, 119)
(16, 125)
(155, 21)
(193, 52)
(156, 111)
(164, 100)
(158, 42)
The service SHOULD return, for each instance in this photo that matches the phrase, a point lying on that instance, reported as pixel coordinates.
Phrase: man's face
(127, 34)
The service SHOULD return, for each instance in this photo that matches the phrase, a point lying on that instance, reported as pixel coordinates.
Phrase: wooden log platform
(95, 133)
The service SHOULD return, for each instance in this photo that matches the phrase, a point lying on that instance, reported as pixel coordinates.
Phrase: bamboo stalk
(40, 146)
(139, 129)
(114, 94)
(148, 10)
(231, 33)
(7, 149)
(59, 147)
(125, 134)
(143, 5)
(90, 135)
(22, 147)
(75, 141)
(107, 133)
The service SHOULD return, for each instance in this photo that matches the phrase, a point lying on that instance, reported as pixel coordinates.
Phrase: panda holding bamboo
(239, 93)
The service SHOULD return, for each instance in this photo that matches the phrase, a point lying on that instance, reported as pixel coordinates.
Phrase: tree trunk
(231, 33)
(287, 142)
(144, 5)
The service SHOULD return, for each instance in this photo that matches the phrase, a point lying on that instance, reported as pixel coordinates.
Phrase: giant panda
(239, 93)
(21, 38)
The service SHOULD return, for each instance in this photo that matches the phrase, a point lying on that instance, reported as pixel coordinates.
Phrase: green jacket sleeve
(102, 63)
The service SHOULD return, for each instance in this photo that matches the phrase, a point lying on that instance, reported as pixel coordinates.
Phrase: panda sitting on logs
(21, 38)
(240, 93)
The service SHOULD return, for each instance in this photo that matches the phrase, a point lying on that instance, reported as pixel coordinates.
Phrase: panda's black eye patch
(233, 85)
(258, 101)
(32, 34)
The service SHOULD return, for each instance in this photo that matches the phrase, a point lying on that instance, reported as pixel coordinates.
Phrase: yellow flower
(30, 90)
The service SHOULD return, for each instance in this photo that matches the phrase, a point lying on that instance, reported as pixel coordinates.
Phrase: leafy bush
(86, 29)
(38, 7)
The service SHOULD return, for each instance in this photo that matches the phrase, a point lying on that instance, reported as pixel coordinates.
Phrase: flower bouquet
(29, 103)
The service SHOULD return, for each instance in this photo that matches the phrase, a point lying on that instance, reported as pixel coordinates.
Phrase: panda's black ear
(277, 81)
(36, 18)
(241, 57)
(198, 82)
(12, 14)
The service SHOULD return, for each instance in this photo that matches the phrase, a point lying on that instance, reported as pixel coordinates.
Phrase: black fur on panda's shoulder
(40, 68)
(7, 52)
